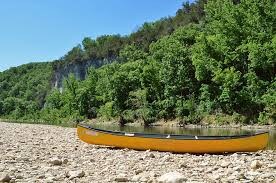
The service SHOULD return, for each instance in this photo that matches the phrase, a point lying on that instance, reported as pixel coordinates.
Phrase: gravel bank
(41, 153)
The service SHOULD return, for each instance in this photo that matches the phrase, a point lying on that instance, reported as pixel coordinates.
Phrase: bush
(106, 111)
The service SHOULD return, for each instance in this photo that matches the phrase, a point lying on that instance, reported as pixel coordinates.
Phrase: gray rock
(172, 177)
(151, 155)
(167, 158)
(56, 161)
(136, 178)
(138, 171)
(19, 177)
(41, 176)
(183, 165)
(4, 177)
(50, 179)
(234, 155)
(267, 175)
(272, 166)
(215, 177)
(231, 177)
(121, 178)
(225, 164)
(75, 174)
(255, 164)
(65, 161)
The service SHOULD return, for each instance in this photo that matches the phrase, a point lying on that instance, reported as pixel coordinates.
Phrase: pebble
(215, 177)
(172, 177)
(272, 166)
(56, 161)
(4, 177)
(225, 164)
(151, 155)
(121, 178)
(138, 171)
(55, 154)
(65, 161)
(75, 174)
(255, 164)
(136, 178)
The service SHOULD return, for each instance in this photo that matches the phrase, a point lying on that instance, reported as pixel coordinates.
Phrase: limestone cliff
(79, 69)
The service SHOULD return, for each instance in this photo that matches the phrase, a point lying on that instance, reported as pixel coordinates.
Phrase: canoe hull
(243, 144)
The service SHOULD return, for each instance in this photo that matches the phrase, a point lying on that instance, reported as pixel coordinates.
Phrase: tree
(87, 96)
(177, 71)
(75, 55)
(233, 54)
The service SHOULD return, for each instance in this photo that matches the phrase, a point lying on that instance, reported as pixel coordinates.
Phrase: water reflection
(189, 131)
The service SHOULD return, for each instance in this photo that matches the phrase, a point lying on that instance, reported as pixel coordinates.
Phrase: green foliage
(223, 119)
(216, 65)
(131, 53)
(107, 110)
(23, 90)
(268, 116)
(233, 54)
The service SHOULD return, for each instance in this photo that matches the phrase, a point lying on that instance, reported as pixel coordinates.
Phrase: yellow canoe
(173, 143)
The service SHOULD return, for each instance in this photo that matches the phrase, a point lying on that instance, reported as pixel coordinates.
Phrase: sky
(36, 31)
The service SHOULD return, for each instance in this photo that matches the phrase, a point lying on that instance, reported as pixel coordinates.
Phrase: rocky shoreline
(43, 153)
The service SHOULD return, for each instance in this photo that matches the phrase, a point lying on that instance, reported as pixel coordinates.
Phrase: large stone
(75, 174)
(138, 171)
(255, 164)
(225, 164)
(172, 177)
(50, 179)
(266, 175)
(19, 177)
(215, 177)
(55, 161)
(4, 177)
(65, 161)
(121, 178)
(136, 178)
(151, 155)
(272, 166)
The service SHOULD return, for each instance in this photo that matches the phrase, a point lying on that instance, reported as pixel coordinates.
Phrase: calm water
(189, 131)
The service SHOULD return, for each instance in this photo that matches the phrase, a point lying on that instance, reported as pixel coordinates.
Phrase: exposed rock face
(78, 69)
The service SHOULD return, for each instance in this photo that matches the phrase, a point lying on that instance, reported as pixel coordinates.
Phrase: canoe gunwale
(169, 136)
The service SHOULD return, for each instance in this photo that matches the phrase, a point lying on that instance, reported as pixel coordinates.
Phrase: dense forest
(24, 89)
(211, 62)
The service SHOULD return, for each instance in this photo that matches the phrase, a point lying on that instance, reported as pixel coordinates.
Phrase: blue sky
(33, 31)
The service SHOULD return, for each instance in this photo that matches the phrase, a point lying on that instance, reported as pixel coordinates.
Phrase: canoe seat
(129, 134)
